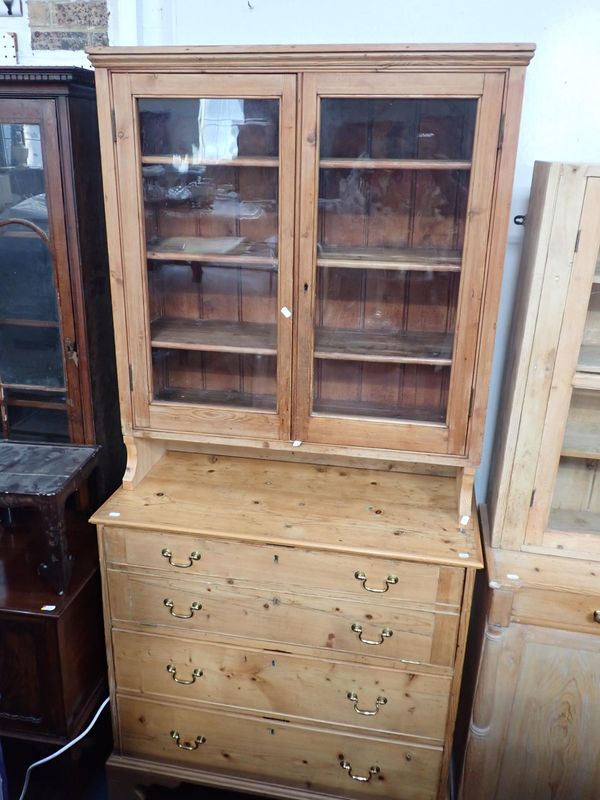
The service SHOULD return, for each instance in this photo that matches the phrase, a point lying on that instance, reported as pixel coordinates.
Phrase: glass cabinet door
(575, 500)
(37, 401)
(214, 184)
(392, 263)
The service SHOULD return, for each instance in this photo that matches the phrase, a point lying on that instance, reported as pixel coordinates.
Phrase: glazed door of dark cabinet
(39, 381)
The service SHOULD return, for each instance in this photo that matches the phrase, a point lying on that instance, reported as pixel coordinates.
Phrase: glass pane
(214, 378)
(576, 502)
(372, 389)
(395, 128)
(589, 355)
(210, 176)
(207, 129)
(393, 194)
(32, 379)
(35, 416)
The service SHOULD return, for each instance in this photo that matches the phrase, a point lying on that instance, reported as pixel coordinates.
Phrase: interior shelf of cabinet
(214, 335)
(238, 161)
(23, 403)
(214, 397)
(389, 258)
(400, 348)
(581, 441)
(29, 323)
(350, 408)
(28, 387)
(392, 163)
(197, 249)
(589, 358)
(569, 521)
(587, 380)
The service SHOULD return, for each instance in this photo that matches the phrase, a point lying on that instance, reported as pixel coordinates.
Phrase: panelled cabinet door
(207, 162)
(565, 512)
(40, 398)
(397, 173)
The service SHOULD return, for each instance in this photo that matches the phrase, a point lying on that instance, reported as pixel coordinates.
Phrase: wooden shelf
(215, 336)
(581, 441)
(29, 323)
(387, 347)
(589, 358)
(240, 161)
(586, 380)
(392, 163)
(212, 397)
(352, 408)
(26, 387)
(574, 521)
(56, 405)
(389, 258)
(218, 251)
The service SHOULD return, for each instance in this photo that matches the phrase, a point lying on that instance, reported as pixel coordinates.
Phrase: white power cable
(65, 747)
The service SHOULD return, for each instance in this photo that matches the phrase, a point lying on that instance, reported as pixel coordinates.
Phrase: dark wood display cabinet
(57, 385)
(57, 374)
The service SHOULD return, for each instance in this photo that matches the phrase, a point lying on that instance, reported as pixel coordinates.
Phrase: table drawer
(243, 563)
(366, 697)
(333, 624)
(302, 756)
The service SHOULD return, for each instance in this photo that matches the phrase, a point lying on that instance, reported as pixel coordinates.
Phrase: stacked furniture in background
(57, 386)
(536, 714)
(306, 248)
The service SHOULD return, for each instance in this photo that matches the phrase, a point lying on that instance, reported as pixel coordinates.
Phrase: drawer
(243, 563)
(302, 756)
(380, 699)
(331, 624)
(556, 609)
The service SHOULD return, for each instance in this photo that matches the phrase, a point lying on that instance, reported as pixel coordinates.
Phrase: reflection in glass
(393, 192)
(397, 128)
(210, 183)
(209, 129)
(32, 378)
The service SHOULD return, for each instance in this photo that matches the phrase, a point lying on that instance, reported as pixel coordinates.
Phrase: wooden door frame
(43, 112)
(449, 438)
(181, 418)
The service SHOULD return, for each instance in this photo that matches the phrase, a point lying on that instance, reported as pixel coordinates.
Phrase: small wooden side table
(43, 477)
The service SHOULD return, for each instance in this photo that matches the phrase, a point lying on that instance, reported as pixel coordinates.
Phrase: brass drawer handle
(385, 634)
(362, 778)
(172, 670)
(194, 607)
(597, 615)
(391, 580)
(187, 745)
(353, 697)
(193, 556)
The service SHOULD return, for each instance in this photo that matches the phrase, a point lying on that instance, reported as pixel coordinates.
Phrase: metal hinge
(130, 378)
(577, 240)
(114, 125)
(501, 133)
(471, 402)
(532, 498)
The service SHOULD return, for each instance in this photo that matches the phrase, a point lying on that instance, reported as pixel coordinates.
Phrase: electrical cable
(64, 748)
